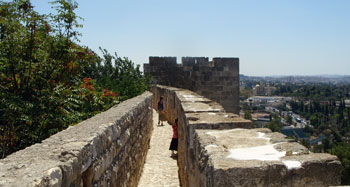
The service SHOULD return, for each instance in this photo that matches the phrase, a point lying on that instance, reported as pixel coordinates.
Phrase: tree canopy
(47, 80)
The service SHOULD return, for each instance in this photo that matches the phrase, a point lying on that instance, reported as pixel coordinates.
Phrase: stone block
(195, 61)
(146, 68)
(195, 68)
(258, 157)
(216, 120)
(162, 61)
(226, 62)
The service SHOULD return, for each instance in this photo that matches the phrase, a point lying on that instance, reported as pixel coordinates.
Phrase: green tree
(275, 125)
(314, 120)
(38, 67)
(305, 143)
(342, 151)
(47, 80)
(247, 115)
(120, 75)
(289, 119)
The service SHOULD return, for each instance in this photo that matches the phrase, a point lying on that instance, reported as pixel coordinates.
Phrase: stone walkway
(160, 169)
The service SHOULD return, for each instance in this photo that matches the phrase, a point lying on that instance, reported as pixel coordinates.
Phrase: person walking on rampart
(161, 111)
(174, 140)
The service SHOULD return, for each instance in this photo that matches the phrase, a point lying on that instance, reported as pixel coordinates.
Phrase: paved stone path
(160, 169)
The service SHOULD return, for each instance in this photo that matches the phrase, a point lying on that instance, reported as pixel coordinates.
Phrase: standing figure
(161, 111)
(174, 140)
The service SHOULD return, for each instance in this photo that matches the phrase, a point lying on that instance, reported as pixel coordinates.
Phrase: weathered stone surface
(193, 112)
(217, 120)
(108, 149)
(217, 80)
(215, 150)
(258, 157)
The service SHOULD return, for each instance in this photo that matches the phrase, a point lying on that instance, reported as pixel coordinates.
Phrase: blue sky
(271, 37)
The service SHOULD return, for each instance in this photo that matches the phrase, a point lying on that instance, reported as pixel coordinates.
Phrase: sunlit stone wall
(217, 80)
(108, 149)
(217, 148)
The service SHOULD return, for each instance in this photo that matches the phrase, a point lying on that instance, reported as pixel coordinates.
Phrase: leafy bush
(120, 75)
(47, 80)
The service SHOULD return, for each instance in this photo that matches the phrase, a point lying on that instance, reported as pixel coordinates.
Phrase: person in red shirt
(174, 140)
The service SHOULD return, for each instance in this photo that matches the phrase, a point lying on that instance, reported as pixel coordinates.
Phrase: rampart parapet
(217, 148)
(108, 149)
(162, 61)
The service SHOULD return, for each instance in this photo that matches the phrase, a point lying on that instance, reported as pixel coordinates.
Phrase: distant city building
(272, 101)
(261, 89)
(258, 90)
(347, 103)
(269, 90)
(260, 119)
(300, 80)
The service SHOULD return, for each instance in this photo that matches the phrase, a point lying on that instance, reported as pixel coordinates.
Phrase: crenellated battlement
(195, 61)
(192, 61)
(162, 61)
(217, 79)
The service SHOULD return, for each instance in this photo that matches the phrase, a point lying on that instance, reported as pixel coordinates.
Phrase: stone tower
(217, 80)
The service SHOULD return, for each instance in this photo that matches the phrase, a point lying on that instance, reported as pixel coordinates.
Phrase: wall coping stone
(247, 157)
(68, 153)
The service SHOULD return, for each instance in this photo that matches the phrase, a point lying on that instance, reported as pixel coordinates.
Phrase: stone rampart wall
(216, 148)
(108, 149)
(219, 149)
(193, 112)
(217, 80)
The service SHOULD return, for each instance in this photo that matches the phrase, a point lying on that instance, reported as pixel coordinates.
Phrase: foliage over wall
(47, 80)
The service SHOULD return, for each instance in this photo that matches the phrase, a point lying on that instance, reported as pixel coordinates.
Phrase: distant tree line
(316, 92)
(324, 105)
